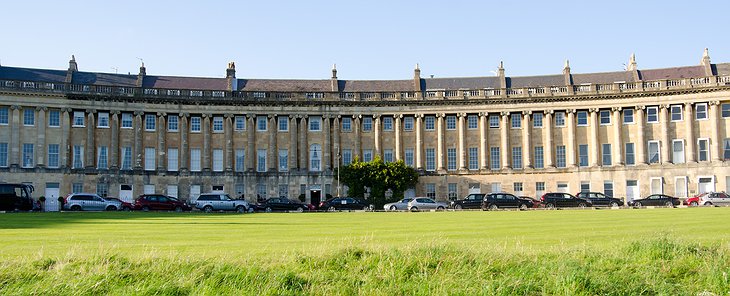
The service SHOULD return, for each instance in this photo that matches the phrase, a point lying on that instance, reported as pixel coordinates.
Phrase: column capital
(616, 109)
(398, 116)
(161, 114)
(527, 112)
(338, 116)
(376, 116)
(640, 107)
(593, 110)
(714, 103)
(15, 107)
(272, 116)
(504, 113)
(304, 116)
(292, 116)
(115, 112)
(483, 114)
(549, 112)
(688, 104)
(41, 108)
(418, 115)
(461, 115)
(250, 116)
(90, 111)
(138, 113)
(229, 115)
(663, 106)
(440, 115)
(206, 115)
(570, 111)
(67, 110)
(356, 116)
(186, 114)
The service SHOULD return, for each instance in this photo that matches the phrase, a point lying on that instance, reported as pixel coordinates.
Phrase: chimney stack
(141, 75)
(566, 74)
(334, 82)
(633, 68)
(231, 77)
(72, 67)
(706, 63)
(417, 79)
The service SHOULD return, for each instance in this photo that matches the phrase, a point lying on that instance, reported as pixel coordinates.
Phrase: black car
(16, 197)
(280, 204)
(600, 199)
(471, 201)
(495, 201)
(561, 200)
(655, 200)
(343, 203)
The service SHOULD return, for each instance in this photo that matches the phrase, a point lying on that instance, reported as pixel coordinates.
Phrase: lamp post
(338, 171)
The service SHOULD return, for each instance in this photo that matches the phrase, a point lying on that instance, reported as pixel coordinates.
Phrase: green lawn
(631, 251)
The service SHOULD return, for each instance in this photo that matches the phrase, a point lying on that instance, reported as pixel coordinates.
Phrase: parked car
(398, 205)
(209, 202)
(600, 199)
(471, 201)
(553, 200)
(279, 204)
(344, 203)
(125, 205)
(535, 202)
(655, 200)
(90, 202)
(16, 197)
(708, 199)
(425, 203)
(159, 202)
(495, 201)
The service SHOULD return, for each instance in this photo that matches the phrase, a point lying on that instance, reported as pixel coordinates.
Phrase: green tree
(379, 176)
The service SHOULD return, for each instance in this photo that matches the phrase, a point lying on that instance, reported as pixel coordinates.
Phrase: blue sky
(366, 39)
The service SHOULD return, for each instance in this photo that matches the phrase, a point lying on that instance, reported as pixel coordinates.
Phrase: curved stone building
(628, 133)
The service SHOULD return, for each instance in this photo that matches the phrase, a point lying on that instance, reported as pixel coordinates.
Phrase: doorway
(125, 193)
(51, 194)
(632, 190)
(315, 197)
(706, 184)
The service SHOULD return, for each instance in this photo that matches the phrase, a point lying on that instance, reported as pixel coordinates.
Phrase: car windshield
(406, 200)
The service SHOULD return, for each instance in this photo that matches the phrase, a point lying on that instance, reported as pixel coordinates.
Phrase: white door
(475, 188)
(705, 184)
(632, 190)
(218, 189)
(51, 194)
(657, 186)
(125, 193)
(563, 187)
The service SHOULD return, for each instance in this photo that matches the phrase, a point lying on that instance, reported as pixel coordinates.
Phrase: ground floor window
(680, 186)
(431, 190)
(608, 188)
(261, 190)
(284, 191)
(452, 191)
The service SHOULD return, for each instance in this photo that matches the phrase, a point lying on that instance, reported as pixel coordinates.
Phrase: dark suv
(16, 197)
(471, 201)
(495, 201)
(343, 203)
(146, 202)
(562, 200)
(600, 199)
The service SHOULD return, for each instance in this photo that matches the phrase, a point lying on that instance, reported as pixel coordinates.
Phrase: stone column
(206, 142)
(65, 136)
(593, 140)
(640, 144)
(419, 141)
(715, 148)
(376, 135)
(526, 139)
(303, 147)
(273, 153)
(398, 144)
(293, 163)
(483, 140)
(689, 131)
(184, 150)
(570, 147)
(15, 142)
(251, 142)
(114, 147)
(138, 151)
(228, 155)
(162, 142)
(548, 136)
(618, 155)
(326, 143)
(336, 141)
(666, 144)
(504, 139)
(358, 140)
(41, 134)
(440, 142)
(90, 147)
(462, 141)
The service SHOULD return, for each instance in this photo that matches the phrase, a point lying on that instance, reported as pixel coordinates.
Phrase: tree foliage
(379, 176)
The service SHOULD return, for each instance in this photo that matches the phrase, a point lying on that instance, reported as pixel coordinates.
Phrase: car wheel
(240, 209)
(669, 204)
(393, 208)
(458, 207)
(707, 203)
(614, 204)
(582, 205)
(268, 209)
(440, 208)
(366, 208)
(126, 209)
(414, 209)
(493, 207)
(300, 210)
(550, 206)
(145, 209)
(111, 208)
(638, 204)
(208, 209)
(76, 208)
(523, 207)
(331, 209)
(178, 209)
(694, 204)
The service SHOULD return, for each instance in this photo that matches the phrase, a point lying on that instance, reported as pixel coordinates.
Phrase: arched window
(315, 158)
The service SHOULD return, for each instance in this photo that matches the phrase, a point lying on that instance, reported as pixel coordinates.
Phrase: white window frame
(282, 120)
(472, 121)
(239, 119)
(217, 160)
(28, 153)
(150, 157)
(601, 117)
(53, 158)
(150, 122)
(102, 158)
(262, 123)
(699, 149)
(429, 123)
(78, 157)
(473, 153)
(103, 120)
(283, 160)
(656, 114)
(196, 124)
(77, 121)
(315, 158)
(515, 120)
(578, 118)
(408, 157)
(658, 151)
(408, 123)
(451, 122)
(240, 158)
(493, 121)
(677, 156)
(173, 127)
(387, 124)
(672, 113)
(537, 123)
(54, 122)
(127, 121)
(678, 192)
(5, 116)
(495, 158)
(195, 156)
(315, 123)
(623, 117)
(633, 153)
(606, 153)
(172, 159)
(367, 155)
(430, 154)
(560, 119)
(347, 124)
(261, 160)
(705, 115)
(367, 124)
(451, 159)
(218, 124)
(661, 185)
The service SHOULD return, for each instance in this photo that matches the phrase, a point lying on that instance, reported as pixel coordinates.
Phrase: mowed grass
(621, 252)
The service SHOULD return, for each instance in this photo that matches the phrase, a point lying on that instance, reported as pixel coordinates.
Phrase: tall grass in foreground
(658, 266)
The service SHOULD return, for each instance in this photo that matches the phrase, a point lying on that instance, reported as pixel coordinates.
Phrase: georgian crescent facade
(627, 133)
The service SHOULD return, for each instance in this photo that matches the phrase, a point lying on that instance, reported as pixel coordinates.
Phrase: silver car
(209, 202)
(90, 202)
(400, 205)
(425, 203)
